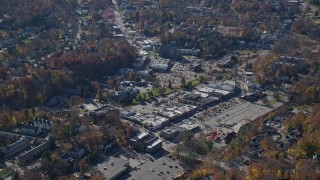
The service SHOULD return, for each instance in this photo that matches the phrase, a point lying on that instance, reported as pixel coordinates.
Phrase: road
(120, 23)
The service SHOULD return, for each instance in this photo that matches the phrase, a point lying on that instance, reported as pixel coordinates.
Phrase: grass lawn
(154, 92)
(245, 51)
(3, 172)
(272, 102)
(301, 108)
(262, 51)
(195, 82)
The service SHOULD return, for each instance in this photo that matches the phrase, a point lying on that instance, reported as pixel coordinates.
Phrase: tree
(46, 167)
(190, 158)
(67, 147)
(183, 82)
(52, 143)
(3, 73)
(62, 167)
(145, 125)
(201, 79)
(162, 91)
(41, 98)
(187, 137)
(99, 95)
(150, 94)
(83, 166)
(170, 84)
(208, 145)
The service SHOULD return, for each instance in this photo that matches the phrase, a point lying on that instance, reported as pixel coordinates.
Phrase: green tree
(208, 145)
(52, 144)
(183, 82)
(62, 167)
(150, 94)
(145, 125)
(139, 97)
(190, 158)
(170, 84)
(187, 138)
(41, 98)
(99, 95)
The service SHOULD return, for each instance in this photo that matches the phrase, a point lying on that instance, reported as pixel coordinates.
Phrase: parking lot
(231, 114)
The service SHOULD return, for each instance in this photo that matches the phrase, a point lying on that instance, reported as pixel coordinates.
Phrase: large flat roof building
(15, 147)
(113, 167)
(146, 142)
(177, 110)
(106, 113)
(160, 64)
(154, 122)
(29, 155)
(170, 133)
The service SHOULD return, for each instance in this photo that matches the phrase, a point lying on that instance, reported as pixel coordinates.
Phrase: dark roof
(15, 144)
(112, 170)
(30, 127)
(192, 96)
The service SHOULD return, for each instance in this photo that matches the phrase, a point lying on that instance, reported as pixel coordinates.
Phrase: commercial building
(169, 133)
(186, 125)
(141, 62)
(113, 167)
(177, 110)
(154, 145)
(172, 132)
(31, 154)
(105, 114)
(146, 142)
(15, 147)
(153, 122)
(162, 168)
(160, 64)
(223, 89)
(227, 85)
(226, 61)
(197, 99)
